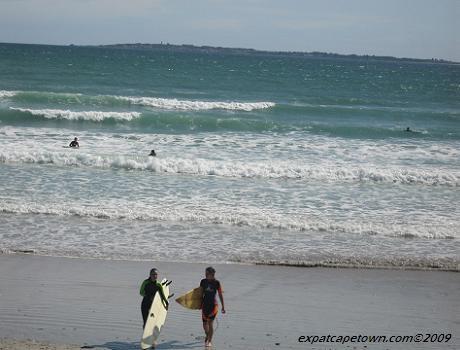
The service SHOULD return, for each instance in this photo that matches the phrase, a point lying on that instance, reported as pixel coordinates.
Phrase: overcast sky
(402, 28)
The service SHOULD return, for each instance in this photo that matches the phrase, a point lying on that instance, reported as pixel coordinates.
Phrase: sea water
(260, 158)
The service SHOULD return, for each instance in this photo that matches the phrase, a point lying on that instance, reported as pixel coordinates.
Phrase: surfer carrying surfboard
(149, 288)
(209, 306)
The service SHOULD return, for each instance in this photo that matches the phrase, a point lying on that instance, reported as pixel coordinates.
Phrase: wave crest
(7, 94)
(95, 116)
(165, 103)
(155, 102)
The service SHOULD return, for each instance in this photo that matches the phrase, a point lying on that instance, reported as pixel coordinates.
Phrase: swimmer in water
(74, 143)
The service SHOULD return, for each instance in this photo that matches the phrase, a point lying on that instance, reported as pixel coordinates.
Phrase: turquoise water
(267, 159)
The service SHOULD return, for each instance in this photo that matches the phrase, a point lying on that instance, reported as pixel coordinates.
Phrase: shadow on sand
(118, 345)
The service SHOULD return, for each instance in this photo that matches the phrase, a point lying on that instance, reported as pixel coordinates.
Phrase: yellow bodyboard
(192, 299)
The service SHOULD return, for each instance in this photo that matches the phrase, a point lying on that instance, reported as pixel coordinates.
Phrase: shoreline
(95, 304)
(306, 265)
(359, 267)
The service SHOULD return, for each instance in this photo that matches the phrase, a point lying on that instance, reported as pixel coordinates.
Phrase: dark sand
(96, 303)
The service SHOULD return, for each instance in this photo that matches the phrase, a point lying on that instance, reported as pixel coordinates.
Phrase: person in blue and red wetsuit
(209, 306)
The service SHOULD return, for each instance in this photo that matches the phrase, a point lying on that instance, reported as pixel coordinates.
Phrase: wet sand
(96, 304)
(7, 344)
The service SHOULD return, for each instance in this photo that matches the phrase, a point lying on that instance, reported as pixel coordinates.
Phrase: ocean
(268, 159)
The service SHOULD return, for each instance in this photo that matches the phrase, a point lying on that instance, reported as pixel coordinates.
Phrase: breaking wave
(113, 100)
(251, 218)
(96, 116)
(188, 105)
(268, 170)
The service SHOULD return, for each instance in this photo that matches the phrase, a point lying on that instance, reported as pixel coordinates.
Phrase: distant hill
(253, 52)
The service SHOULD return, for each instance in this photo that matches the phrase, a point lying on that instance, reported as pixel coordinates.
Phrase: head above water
(75, 139)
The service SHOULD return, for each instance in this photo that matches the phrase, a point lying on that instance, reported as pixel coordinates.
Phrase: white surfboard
(156, 318)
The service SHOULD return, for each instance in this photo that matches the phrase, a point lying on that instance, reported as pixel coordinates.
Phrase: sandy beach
(6, 344)
(95, 304)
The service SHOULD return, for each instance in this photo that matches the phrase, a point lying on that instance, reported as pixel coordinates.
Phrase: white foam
(252, 217)
(166, 103)
(163, 103)
(7, 94)
(259, 169)
(187, 231)
(277, 170)
(80, 115)
(352, 260)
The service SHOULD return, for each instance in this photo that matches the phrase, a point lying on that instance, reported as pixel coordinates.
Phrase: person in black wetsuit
(209, 306)
(74, 143)
(149, 288)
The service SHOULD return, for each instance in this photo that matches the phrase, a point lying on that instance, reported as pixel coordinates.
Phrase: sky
(401, 28)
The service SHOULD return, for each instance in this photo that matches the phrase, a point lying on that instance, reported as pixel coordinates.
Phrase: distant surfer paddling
(149, 288)
(152, 153)
(209, 306)
(74, 143)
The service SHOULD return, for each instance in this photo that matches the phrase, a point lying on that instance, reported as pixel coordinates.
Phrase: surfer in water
(149, 288)
(152, 153)
(74, 143)
(209, 306)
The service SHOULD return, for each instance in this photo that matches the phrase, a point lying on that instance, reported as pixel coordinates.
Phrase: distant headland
(254, 52)
(187, 48)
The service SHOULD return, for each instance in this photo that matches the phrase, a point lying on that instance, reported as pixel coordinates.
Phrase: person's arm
(221, 297)
(202, 293)
(142, 290)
